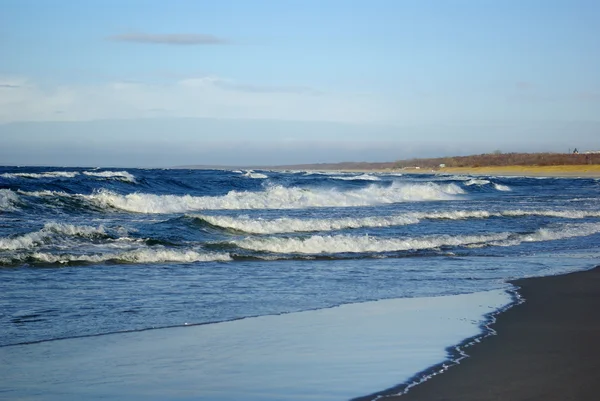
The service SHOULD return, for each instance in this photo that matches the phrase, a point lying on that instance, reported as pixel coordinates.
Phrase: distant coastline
(501, 164)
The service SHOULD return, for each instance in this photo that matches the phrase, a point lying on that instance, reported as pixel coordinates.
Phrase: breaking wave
(475, 181)
(8, 200)
(290, 225)
(276, 197)
(49, 231)
(114, 175)
(319, 244)
(553, 233)
(252, 174)
(48, 174)
(501, 187)
(141, 255)
(362, 177)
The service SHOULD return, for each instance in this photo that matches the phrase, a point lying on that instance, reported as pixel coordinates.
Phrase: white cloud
(212, 97)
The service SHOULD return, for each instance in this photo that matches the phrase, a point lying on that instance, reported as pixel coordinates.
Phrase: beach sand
(588, 170)
(547, 348)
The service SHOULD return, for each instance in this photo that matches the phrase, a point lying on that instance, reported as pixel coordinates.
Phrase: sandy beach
(546, 348)
(588, 170)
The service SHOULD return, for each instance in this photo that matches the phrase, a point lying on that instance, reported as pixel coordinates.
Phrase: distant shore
(586, 170)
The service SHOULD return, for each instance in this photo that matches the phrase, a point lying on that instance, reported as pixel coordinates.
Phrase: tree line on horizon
(503, 159)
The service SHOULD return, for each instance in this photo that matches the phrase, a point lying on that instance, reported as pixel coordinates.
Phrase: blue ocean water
(85, 252)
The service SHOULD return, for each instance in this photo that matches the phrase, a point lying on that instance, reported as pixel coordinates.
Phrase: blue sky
(271, 82)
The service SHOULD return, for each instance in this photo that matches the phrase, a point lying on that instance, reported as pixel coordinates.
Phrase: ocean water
(295, 271)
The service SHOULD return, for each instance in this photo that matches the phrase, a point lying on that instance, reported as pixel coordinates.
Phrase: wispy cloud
(230, 85)
(186, 39)
(200, 97)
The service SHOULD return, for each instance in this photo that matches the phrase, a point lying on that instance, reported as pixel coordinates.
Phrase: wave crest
(142, 255)
(8, 200)
(47, 174)
(49, 231)
(114, 175)
(276, 197)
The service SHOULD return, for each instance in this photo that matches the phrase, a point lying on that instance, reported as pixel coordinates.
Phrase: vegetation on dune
(498, 159)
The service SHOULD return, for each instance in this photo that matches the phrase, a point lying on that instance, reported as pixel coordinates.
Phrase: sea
(189, 284)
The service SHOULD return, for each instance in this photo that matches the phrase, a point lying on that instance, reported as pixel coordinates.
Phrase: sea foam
(320, 244)
(141, 255)
(252, 174)
(48, 174)
(276, 197)
(114, 175)
(47, 233)
(8, 200)
(290, 225)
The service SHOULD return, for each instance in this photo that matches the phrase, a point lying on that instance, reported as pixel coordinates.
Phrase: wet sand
(547, 348)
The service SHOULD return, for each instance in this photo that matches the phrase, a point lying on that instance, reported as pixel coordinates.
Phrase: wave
(252, 174)
(44, 193)
(49, 231)
(475, 181)
(114, 175)
(552, 233)
(48, 174)
(290, 225)
(501, 187)
(319, 244)
(141, 255)
(276, 197)
(8, 200)
(362, 177)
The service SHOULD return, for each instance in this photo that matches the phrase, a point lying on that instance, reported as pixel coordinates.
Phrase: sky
(160, 83)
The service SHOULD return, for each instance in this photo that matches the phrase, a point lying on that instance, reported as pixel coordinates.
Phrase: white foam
(115, 175)
(562, 231)
(252, 174)
(566, 214)
(290, 225)
(8, 200)
(475, 181)
(362, 177)
(47, 174)
(276, 197)
(318, 244)
(44, 193)
(141, 255)
(49, 231)
(501, 187)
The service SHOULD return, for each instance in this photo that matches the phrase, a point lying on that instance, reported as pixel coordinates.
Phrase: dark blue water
(94, 251)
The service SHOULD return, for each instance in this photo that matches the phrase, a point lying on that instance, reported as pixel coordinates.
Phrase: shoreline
(545, 348)
(570, 171)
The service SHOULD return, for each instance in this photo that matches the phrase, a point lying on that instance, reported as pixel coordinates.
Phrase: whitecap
(48, 232)
(501, 187)
(276, 197)
(8, 200)
(115, 175)
(47, 174)
(142, 255)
